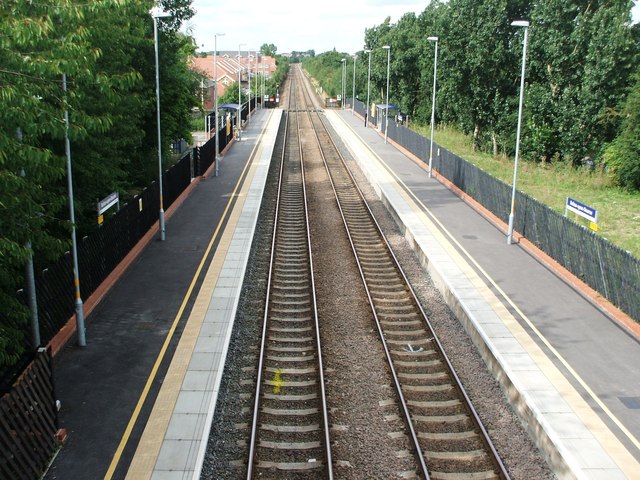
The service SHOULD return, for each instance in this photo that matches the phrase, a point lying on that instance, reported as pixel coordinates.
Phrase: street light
(257, 69)
(353, 96)
(366, 111)
(156, 12)
(386, 122)
(79, 306)
(433, 100)
(525, 24)
(215, 98)
(343, 92)
(248, 84)
(240, 92)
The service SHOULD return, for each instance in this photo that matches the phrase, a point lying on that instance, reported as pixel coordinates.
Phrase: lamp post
(215, 98)
(256, 76)
(353, 95)
(239, 93)
(248, 84)
(525, 24)
(202, 102)
(261, 80)
(343, 91)
(156, 13)
(386, 121)
(80, 329)
(366, 110)
(433, 100)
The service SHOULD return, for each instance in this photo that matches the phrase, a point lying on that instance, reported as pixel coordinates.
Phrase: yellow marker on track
(278, 381)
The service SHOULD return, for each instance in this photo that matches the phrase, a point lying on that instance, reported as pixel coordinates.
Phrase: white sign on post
(107, 202)
(581, 209)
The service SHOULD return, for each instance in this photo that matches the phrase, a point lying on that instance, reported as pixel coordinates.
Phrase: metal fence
(605, 267)
(29, 422)
(101, 251)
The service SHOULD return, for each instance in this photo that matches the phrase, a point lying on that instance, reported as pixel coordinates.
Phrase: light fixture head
(157, 12)
(367, 51)
(520, 23)
(432, 39)
(386, 47)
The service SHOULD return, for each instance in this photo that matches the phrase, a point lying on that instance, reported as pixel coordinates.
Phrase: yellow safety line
(557, 354)
(143, 396)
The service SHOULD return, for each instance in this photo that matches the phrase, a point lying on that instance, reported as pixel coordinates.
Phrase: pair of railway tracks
(290, 430)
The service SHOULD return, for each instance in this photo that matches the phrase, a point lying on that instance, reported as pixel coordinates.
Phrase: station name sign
(581, 209)
(108, 202)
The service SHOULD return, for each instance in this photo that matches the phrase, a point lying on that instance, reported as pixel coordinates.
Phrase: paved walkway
(549, 344)
(108, 388)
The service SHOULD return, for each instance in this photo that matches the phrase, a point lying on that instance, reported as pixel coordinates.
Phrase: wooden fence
(29, 422)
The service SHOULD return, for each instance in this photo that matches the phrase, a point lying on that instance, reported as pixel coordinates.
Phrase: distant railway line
(334, 369)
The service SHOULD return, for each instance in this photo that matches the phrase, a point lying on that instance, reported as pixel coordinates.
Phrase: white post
(433, 100)
(353, 96)
(255, 95)
(82, 341)
(156, 13)
(366, 111)
(342, 78)
(215, 100)
(525, 24)
(386, 121)
(239, 123)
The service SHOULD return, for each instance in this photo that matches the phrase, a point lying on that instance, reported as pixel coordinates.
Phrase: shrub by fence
(29, 422)
(608, 269)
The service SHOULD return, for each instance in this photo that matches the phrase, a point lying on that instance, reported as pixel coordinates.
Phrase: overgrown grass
(551, 184)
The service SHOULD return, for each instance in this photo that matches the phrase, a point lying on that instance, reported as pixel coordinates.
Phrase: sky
(296, 25)
(293, 25)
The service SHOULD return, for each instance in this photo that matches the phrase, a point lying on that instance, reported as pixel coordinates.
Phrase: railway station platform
(568, 365)
(138, 400)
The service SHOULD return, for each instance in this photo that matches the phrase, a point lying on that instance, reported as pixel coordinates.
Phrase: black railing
(605, 267)
(29, 422)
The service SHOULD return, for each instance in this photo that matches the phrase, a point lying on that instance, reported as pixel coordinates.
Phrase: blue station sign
(581, 209)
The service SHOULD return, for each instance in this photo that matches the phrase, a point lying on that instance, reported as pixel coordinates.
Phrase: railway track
(448, 437)
(290, 430)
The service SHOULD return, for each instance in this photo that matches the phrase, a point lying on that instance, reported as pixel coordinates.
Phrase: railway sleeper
(294, 340)
(291, 358)
(419, 363)
(293, 329)
(485, 475)
(452, 461)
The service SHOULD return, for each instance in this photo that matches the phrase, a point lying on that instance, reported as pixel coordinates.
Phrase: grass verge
(552, 183)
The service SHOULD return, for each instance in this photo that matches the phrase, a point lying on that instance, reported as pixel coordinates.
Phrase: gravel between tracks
(356, 379)
(521, 457)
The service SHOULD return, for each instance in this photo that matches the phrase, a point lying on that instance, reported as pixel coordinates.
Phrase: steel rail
(324, 410)
(484, 437)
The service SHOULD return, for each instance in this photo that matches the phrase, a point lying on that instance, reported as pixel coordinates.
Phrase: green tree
(581, 57)
(480, 59)
(106, 49)
(622, 157)
(268, 49)
(38, 43)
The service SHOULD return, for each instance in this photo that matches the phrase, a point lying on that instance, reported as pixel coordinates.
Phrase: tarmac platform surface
(568, 365)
